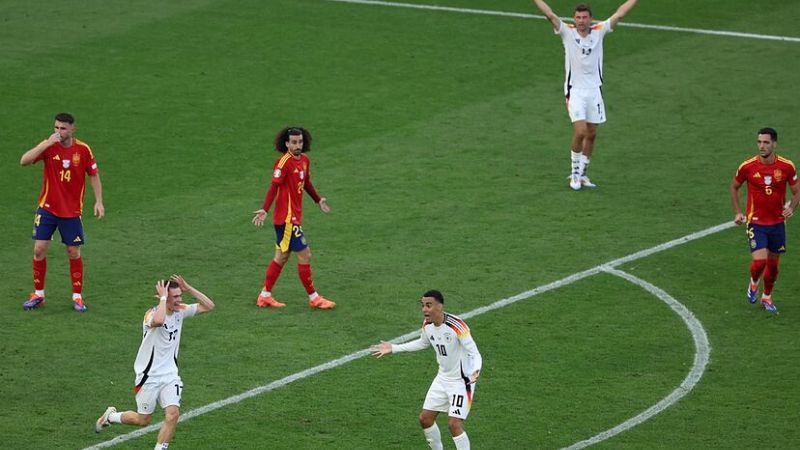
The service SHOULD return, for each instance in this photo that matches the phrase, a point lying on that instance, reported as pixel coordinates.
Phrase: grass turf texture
(441, 143)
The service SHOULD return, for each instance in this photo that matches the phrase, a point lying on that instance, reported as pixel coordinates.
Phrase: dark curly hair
(283, 137)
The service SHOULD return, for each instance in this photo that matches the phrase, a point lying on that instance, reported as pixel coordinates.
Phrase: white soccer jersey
(158, 353)
(583, 56)
(456, 352)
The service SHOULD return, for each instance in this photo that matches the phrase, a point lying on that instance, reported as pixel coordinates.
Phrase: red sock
(770, 275)
(304, 270)
(271, 275)
(76, 272)
(39, 272)
(756, 268)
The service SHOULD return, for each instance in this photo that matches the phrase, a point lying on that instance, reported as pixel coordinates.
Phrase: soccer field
(441, 142)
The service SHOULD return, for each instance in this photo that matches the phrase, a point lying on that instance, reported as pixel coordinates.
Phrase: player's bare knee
(281, 258)
(425, 420)
(73, 251)
(171, 415)
(455, 425)
(142, 420)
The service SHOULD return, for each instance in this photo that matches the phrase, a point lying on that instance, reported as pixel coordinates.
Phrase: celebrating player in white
(156, 366)
(459, 368)
(583, 64)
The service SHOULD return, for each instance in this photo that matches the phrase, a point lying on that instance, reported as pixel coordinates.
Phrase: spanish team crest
(76, 158)
(778, 174)
(65, 163)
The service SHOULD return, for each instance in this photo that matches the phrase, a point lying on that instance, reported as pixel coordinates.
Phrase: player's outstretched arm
(384, 348)
(622, 11)
(738, 217)
(30, 156)
(205, 304)
(548, 12)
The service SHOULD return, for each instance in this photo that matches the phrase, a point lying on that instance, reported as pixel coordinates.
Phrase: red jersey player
(766, 176)
(290, 177)
(66, 162)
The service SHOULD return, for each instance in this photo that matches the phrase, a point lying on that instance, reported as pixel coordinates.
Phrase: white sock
(265, 293)
(313, 296)
(583, 165)
(434, 437)
(575, 158)
(75, 296)
(115, 417)
(462, 441)
(39, 292)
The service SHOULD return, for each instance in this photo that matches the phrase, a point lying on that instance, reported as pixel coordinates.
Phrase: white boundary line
(607, 267)
(767, 37)
(702, 355)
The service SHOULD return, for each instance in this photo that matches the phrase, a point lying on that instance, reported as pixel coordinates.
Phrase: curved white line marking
(608, 267)
(701, 357)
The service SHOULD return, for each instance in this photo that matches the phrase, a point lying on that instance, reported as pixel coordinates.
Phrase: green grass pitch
(441, 143)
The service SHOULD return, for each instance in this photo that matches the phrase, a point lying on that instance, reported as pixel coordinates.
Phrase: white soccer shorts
(586, 104)
(452, 397)
(165, 393)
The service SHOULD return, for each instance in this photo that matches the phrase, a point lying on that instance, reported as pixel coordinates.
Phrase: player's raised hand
(260, 215)
(323, 205)
(55, 137)
(181, 282)
(162, 288)
(384, 348)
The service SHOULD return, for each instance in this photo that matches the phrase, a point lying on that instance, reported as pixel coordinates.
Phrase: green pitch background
(440, 140)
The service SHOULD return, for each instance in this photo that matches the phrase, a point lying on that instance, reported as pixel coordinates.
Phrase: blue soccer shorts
(771, 237)
(290, 238)
(45, 225)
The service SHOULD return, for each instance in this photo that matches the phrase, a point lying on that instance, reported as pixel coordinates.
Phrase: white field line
(768, 37)
(609, 266)
(702, 354)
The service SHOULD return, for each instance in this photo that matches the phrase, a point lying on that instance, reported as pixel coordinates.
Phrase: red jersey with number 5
(63, 178)
(766, 188)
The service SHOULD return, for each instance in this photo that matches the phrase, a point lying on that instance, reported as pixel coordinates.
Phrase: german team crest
(778, 174)
(65, 163)
(767, 180)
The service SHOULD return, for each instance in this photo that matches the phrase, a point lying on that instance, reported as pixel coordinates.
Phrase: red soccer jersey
(63, 177)
(290, 175)
(766, 188)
